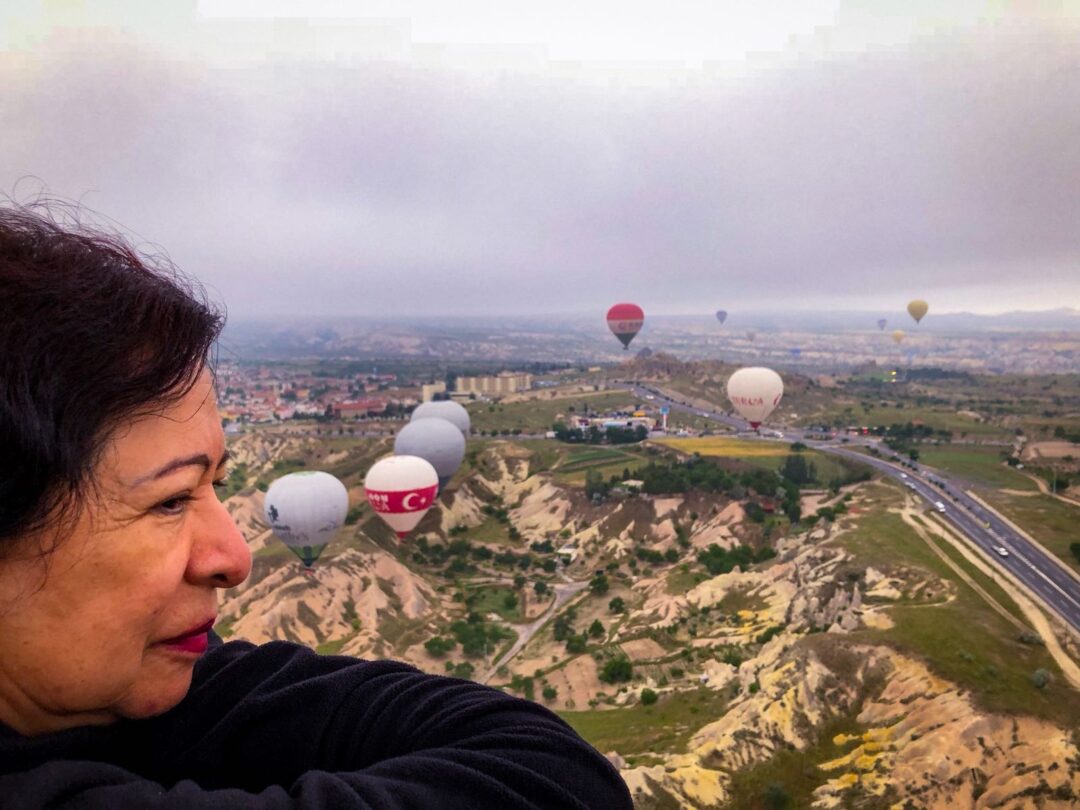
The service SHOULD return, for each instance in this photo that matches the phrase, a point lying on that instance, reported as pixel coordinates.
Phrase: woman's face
(111, 623)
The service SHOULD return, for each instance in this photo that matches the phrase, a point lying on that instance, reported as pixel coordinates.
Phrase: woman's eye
(220, 484)
(173, 506)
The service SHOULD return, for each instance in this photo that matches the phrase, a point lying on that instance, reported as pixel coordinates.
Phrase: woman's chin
(161, 685)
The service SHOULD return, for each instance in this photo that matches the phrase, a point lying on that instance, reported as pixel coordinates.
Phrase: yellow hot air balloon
(898, 335)
(917, 309)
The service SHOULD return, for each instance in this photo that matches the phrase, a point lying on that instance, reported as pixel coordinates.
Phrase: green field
(578, 462)
(1052, 523)
(937, 418)
(979, 465)
(962, 639)
(641, 731)
(537, 416)
(489, 599)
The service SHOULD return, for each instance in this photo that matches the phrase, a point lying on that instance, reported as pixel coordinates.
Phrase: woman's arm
(279, 726)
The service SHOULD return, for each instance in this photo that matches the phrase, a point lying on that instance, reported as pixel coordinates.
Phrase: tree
(776, 797)
(599, 585)
(519, 581)
(562, 628)
(617, 670)
(550, 692)
(439, 646)
(510, 601)
(596, 629)
(576, 644)
(617, 605)
(648, 697)
(541, 588)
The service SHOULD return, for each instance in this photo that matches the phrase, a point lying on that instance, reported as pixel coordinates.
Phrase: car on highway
(649, 396)
(903, 475)
(1002, 551)
(939, 506)
(910, 485)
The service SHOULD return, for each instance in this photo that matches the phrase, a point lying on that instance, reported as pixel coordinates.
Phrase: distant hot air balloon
(755, 392)
(437, 441)
(795, 352)
(881, 324)
(401, 489)
(898, 335)
(625, 321)
(917, 309)
(721, 315)
(452, 412)
(305, 510)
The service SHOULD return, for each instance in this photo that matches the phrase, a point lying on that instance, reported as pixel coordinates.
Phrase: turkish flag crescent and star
(405, 500)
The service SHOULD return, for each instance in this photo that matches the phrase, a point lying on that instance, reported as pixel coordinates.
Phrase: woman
(114, 692)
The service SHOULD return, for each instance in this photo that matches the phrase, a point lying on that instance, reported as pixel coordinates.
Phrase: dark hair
(91, 332)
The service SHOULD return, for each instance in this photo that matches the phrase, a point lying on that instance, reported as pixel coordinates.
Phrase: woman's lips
(193, 641)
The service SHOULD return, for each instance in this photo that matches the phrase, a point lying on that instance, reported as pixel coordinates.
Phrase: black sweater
(277, 726)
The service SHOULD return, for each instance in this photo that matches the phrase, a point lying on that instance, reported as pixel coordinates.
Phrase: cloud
(295, 186)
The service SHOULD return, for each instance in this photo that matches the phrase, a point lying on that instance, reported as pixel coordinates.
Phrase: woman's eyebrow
(199, 460)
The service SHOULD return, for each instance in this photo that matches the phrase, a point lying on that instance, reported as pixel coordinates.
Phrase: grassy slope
(637, 731)
(980, 465)
(963, 639)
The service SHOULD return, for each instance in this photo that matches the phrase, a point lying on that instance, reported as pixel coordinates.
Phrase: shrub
(617, 670)
(550, 693)
(648, 697)
(439, 646)
(1041, 678)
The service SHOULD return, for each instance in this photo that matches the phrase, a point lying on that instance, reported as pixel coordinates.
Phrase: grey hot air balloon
(881, 324)
(721, 315)
(438, 442)
(452, 412)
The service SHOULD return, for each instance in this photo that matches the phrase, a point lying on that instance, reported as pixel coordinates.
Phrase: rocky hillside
(856, 659)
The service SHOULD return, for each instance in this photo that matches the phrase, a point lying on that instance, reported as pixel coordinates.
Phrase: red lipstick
(194, 641)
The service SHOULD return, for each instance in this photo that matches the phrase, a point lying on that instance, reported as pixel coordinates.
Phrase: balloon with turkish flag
(625, 321)
(401, 489)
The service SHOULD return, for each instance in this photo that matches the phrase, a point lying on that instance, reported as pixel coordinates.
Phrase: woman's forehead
(191, 426)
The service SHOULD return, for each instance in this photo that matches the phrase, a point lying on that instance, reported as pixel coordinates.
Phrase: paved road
(563, 594)
(1030, 563)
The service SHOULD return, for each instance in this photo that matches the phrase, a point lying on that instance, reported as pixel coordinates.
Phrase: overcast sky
(310, 157)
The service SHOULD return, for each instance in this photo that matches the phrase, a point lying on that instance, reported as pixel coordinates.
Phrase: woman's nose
(220, 556)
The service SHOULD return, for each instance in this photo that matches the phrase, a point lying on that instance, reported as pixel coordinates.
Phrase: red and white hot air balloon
(755, 392)
(401, 489)
(625, 321)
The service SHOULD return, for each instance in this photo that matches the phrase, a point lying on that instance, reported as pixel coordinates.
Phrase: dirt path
(1018, 594)
(908, 514)
(563, 594)
(1044, 488)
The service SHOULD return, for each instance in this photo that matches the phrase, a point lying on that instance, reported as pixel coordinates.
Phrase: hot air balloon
(452, 412)
(624, 321)
(401, 489)
(305, 510)
(917, 309)
(751, 336)
(796, 352)
(881, 324)
(437, 441)
(755, 392)
(898, 335)
(721, 315)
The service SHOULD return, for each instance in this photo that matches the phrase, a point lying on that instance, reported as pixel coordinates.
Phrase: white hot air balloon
(401, 489)
(755, 392)
(452, 412)
(305, 510)
(436, 441)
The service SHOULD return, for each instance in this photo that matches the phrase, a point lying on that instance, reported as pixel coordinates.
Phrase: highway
(1029, 563)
